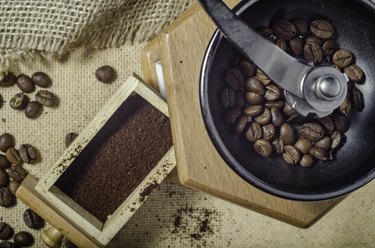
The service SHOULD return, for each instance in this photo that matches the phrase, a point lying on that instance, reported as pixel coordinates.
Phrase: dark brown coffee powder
(119, 157)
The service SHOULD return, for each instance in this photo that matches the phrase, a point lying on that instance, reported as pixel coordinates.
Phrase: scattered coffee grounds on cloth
(119, 157)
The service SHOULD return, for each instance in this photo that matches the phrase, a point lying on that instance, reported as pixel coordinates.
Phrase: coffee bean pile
(21, 101)
(256, 108)
(20, 239)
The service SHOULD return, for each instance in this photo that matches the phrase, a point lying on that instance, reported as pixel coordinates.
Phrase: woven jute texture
(52, 27)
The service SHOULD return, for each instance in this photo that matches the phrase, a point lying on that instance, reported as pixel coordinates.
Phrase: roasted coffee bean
(328, 124)
(33, 110)
(336, 67)
(292, 155)
(282, 44)
(313, 52)
(41, 79)
(269, 132)
(263, 148)
(7, 244)
(13, 187)
(354, 73)
(228, 98)
(25, 83)
(6, 231)
(302, 26)
(264, 118)
(13, 156)
(345, 107)
(287, 134)
(255, 85)
(343, 58)
(304, 145)
(324, 143)
(268, 34)
(4, 178)
(273, 93)
(232, 114)
(69, 138)
(254, 98)
(241, 124)
(254, 110)
(46, 98)
(4, 163)
(277, 117)
(247, 68)
(278, 104)
(262, 77)
(240, 99)
(284, 29)
(6, 198)
(312, 131)
(351, 86)
(312, 38)
(28, 153)
(8, 80)
(329, 48)
(17, 173)
(235, 79)
(357, 99)
(23, 239)
(337, 140)
(278, 146)
(321, 29)
(19, 101)
(319, 153)
(6, 141)
(32, 219)
(254, 132)
(342, 123)
(106, 74)
(297, 45)
(307, 161)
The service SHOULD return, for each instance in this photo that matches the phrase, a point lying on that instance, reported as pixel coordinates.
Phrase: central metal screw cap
(330, 87)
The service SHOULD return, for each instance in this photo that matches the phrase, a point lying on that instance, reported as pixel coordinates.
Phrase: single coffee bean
(277, 117)
(321, 29)
(324, 143)
(284, 29)
(312, 38)
(235, 79)
(337, 140)
(4, 178)
(319, 153)
(6, 231)
(241, 124)
(312, 131)
(273, 93)
(302, 26)
(228, 98)
(254, 110)
(287, 134)
(32, 219)
(262, 77)
(41, 79)
(4, 163)
(292, 155)
(106, 74)
(17, 173)
(269, 132)
(6, 141)
(343, 58)
(247, 68)
(345, 107)
(297, 45)
(351, 86)
(240, 99)
(13, 187)
(254, 98)
(313, 52)
(232, 114)
(329, 48)
(28, 153)
(278, 146)
(263, 148)
(282, 44)
(6, 198)
(25, 83)
(254, 132)
(342, 123)
(268, 34)
(13, 156)
(357, 99)
(328, 124)
(7, 244)
(19, 101)
(46, 98)
(8, 80)
(69, 138)
(304, 145)
(307, 161)
(354, 73)
(253, 84)
(33, 109)
(264, 118)
(278, 104)
(23, 239)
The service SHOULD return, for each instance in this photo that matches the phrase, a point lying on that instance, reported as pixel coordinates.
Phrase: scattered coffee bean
(41, 79)
(313, 52)
(69, 138)
(357, 99)
(292, 155)
(19, 101)
(25, 83)
(46, 98)
(228, 98)
(240, 100)
(312, 38)
(6, 231)
(254, 98)
(342, 123)
(288, 110)
(278, 146)
(307, 161)
(13, 156)
(6, 141)
(32, 219)
(269, 132)
(324, 143)
(329, 48)
(354, 73)
(33, 109)
(319, 153)
(255, 85)
(13, 187)
(337, 139)
(277, 117)
(17, 173)
(287, 134)
(241, 124)
(264, 118)
(284, 29)
(343, 58)
(312, 131)
(302, 26)
(321, 29)
(278, 104)
(4, 163)
(263, 148)
(23, 239)
(7, 244)
(282, 44)
(346, 106)
(232, 114)
(247, 68)
(273, 93)
(254, 110)
(254, 132)
(328, 124)
(106, 74)
(28, 153)
(6, 198)
(8, 80)
(304, 145)
(268, 34)
(235, 79)
(262, 77)
(4, 178)
(297, 45)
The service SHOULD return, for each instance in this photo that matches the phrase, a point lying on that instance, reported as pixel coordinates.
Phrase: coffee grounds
(118, 158)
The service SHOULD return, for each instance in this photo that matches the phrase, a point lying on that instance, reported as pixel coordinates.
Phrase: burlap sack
(52, 27)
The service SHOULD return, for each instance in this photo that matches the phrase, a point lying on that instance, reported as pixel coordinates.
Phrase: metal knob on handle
(309, 90)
